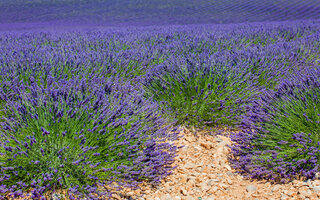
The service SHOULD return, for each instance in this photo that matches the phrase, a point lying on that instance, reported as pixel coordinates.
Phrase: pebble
(275, 188)
(185, 149)
(316, 183)
(214, 189)
(184, 192)
(296, 183)
(204, 187)
(205, 145)
(224, 186)
(229, 173)
(303, 193)
(290, 193)
(57, 196)
(166, 197)
(210, 198)
(189, 165)
(283, 197)
(212, 182)
(227, 167)
(251, 188)
(169, 189)
(177, 198)
(316, 188)
(309, 183)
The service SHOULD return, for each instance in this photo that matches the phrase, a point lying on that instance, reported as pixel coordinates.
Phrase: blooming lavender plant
(280, 141)
(199, 93)
(80, 135)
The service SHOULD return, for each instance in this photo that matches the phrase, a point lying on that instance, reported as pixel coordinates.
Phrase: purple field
(95, 93)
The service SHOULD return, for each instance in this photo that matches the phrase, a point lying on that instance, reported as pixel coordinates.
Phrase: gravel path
(203, 173)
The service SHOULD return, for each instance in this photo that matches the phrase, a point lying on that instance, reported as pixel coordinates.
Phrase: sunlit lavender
(92, 96)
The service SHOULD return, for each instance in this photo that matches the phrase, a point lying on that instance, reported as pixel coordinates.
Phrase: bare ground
(203, 173)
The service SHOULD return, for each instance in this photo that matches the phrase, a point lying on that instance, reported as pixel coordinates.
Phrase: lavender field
(86, 106)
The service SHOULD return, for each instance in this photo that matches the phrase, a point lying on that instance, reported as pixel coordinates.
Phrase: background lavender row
(132, 51)
(148, 12)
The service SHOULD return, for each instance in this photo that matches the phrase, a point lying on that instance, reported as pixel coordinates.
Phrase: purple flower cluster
(80, 134)
(279, 140)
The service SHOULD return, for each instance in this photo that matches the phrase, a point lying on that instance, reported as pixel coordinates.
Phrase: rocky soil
(203, 173)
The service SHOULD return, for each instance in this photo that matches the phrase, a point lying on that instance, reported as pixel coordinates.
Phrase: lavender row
(81, 109)
(79, 135)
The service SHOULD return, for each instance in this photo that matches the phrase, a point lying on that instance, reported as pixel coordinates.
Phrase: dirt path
(203, 173)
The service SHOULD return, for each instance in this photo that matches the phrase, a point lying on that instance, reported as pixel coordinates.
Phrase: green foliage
(204, 96)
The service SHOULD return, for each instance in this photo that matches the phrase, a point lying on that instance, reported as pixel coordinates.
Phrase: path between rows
(203, 173)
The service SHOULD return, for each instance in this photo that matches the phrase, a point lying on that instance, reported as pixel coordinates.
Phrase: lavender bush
(200, 93)
(78, 135)
(281, 141)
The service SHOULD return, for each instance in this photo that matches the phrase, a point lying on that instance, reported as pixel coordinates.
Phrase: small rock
(177, 198)
(116, 196)
(210, 198)
(189, 198)
(302, 193)
(227, 167)
(316, 183)
(229, 181)
(130, 193)
(147, 191)
(296, 183)
(309, 183)
(218, 139)
(184, 192)
(184, 149)
(290, 193)
(166, 197)
(212, 181)
(214, 189)
(204, 187)
(224, 186)
(317, 175)
(316, 188)
(275, 188)
(169, 189)
(283, 197)
(251, 188)
(191, 180)
(212, 166)
(205, 145)
(57, 196)
(229, 173)
(189, 165)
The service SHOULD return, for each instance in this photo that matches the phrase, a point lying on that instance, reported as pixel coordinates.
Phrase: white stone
(251, 188)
